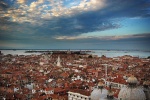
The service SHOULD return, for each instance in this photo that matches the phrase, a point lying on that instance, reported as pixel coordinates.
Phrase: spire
(58, 62)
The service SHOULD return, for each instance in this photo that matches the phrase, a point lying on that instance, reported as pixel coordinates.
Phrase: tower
(58, 62)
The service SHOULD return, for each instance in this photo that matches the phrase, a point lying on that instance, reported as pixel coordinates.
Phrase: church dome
(146, 89)
(132, 80)
(110, 93)
(146, 83)
(131, 92)
(100, 85)
(99, 93)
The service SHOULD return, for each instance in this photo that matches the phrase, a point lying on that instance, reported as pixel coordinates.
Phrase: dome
(127, 93)
(110, 93)
(146, 83)
(132, 92)
(99, 94)
(132, 80)
(146, 89)
(100, 85)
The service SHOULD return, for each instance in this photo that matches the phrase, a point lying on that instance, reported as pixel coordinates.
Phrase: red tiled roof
(57, 90)
(48, 89)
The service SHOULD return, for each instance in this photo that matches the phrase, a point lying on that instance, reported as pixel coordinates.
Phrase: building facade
(77, 96)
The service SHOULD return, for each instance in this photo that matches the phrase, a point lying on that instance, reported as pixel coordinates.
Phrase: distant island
(59, 51)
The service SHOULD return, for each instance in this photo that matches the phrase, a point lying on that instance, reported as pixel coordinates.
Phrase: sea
(99, 53)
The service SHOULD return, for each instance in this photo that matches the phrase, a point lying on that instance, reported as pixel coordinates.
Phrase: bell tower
(58, 62)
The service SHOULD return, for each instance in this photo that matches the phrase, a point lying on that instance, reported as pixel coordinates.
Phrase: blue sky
(75, 24)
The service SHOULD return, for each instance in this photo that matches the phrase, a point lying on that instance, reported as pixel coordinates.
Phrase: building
(99, 92)
(78, 94)
(58, 62)
(132, 91)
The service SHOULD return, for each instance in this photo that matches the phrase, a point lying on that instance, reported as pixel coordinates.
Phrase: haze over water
(107, 53)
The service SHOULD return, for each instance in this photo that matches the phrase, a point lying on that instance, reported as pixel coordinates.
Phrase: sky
(75, 24)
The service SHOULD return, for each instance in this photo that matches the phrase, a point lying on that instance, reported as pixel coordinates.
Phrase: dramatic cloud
(3, 5)
(27, 20)
(21, 1)
(147, 35)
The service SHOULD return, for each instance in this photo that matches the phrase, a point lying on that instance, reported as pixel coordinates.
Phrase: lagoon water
(107, 53)
(116, 53)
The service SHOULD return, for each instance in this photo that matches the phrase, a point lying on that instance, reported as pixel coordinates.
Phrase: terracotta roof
(65, 75)
(48, 89)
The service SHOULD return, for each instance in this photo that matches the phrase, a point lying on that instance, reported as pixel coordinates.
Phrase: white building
(77, 96)
(114, 85)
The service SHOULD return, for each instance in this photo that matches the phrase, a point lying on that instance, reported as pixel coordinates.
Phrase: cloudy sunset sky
(75, 24)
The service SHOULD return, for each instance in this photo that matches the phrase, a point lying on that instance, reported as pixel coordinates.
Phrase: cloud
(21, 1)
(51, 9)
(9, 45)
(53, 18)
(85, 5)
(3, 6)
(132, 42)
(121, 37)
(34, 5)
(42, 9)
(124, 42)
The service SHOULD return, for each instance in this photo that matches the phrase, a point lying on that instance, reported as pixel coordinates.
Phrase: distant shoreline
(58, 51)
(99, 53)
(77, 49)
